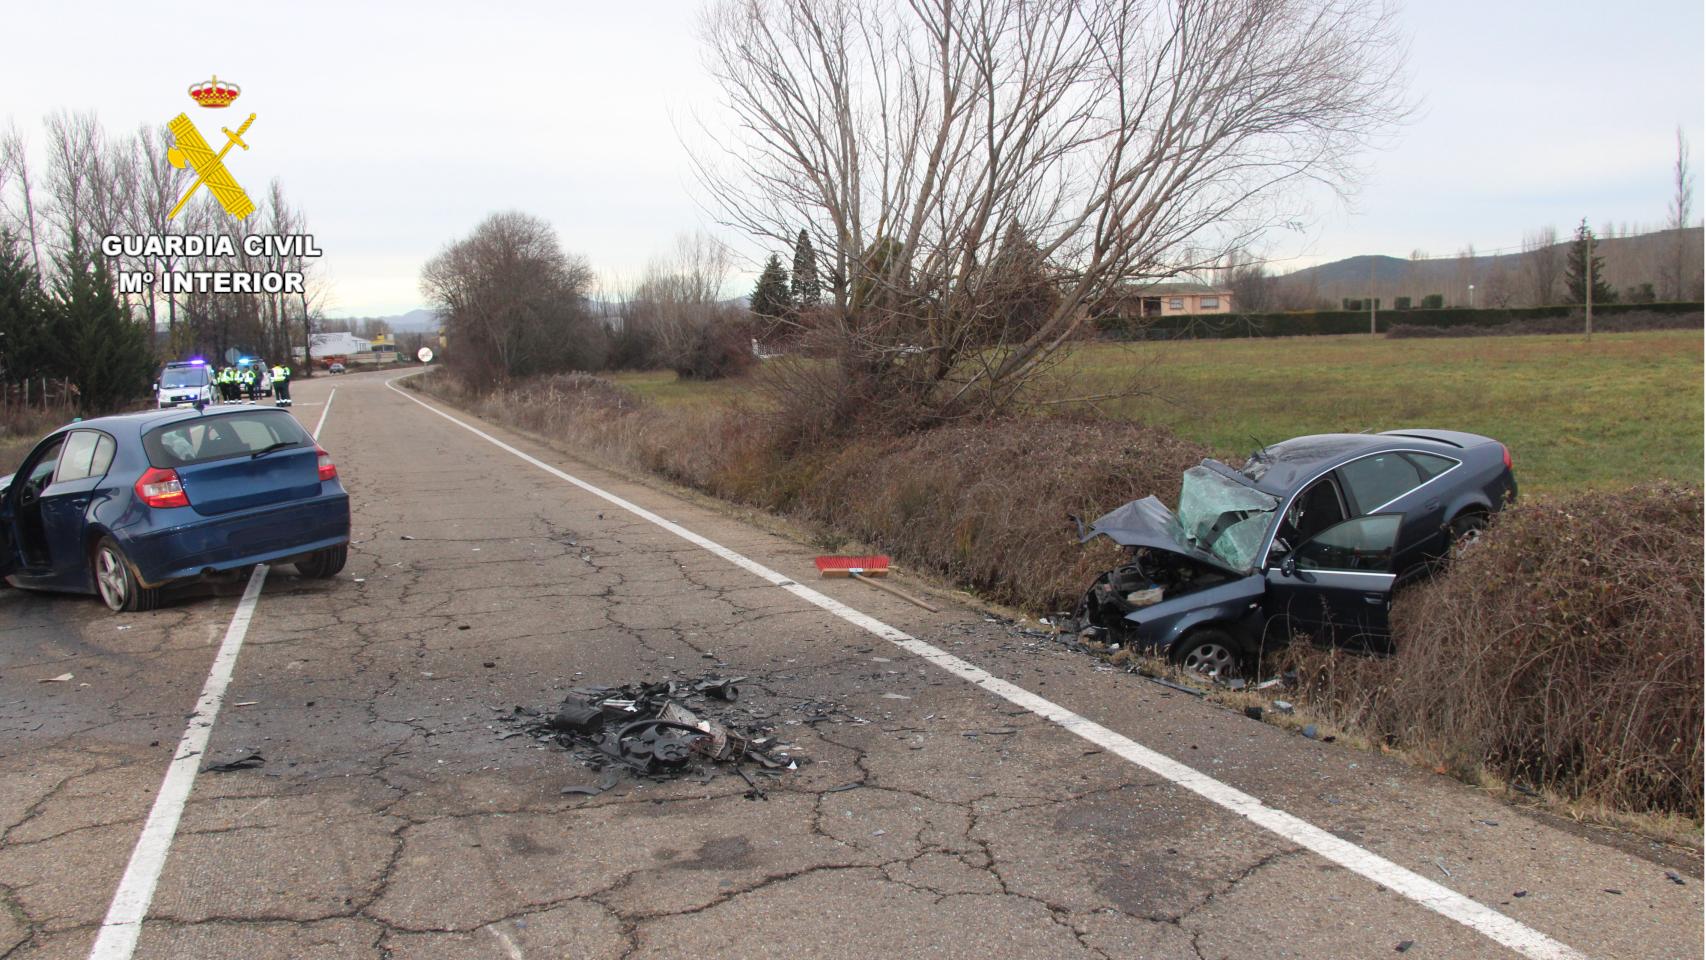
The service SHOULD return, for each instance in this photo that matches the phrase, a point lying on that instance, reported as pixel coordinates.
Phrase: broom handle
(894, 590)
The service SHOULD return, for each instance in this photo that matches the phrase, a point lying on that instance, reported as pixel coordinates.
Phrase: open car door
(1337, 585)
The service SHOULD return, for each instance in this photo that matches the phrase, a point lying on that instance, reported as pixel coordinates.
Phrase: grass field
(1577, 414)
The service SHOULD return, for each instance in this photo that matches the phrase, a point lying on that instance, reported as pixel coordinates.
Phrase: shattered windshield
(1224, 517)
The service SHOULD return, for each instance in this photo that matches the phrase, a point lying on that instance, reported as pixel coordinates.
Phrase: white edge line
(1436, 897)
(123, 923)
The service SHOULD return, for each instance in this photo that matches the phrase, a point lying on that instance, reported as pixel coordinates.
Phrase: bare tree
(513, 302)
(1674, 274)
(1128, 140)
(1542, 265)
(674, 316)
(15, 167)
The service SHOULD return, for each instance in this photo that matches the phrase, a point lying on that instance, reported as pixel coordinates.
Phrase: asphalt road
(390, 820)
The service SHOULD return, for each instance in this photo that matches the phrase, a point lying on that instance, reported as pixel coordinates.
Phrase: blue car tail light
(161, 489)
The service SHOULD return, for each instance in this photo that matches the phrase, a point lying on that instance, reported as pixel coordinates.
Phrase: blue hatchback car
(123, 506)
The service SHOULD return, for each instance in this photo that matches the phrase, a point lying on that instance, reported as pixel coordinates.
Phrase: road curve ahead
(974, 791)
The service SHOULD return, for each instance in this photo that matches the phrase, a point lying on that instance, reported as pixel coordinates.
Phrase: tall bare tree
(1128, 140)
(15, 168)
(1542, 265)
(1674, 274)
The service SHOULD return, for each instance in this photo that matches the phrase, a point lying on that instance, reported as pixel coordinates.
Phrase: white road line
(123, 923)
(325, 413)
(1440, 899)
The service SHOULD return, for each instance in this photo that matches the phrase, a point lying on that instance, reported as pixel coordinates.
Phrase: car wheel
(117, 583)
(324, 563)
(1465, 532)
(1211, 653)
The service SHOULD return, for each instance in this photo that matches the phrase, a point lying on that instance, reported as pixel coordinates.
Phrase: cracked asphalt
(389, 820)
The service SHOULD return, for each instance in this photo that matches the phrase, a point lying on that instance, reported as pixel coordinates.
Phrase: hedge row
(1331, 322)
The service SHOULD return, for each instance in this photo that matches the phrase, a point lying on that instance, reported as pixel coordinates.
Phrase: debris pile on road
(659, 731)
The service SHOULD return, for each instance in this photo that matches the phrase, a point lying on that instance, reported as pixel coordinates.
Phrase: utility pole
(1589, 298)
(1371, 321)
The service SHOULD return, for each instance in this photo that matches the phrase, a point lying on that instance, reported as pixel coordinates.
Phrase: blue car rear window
(218, 437)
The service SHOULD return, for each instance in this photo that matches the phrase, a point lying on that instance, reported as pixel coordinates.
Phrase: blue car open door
(1337, 585)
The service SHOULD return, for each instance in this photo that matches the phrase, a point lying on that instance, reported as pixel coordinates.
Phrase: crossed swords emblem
(209, 166)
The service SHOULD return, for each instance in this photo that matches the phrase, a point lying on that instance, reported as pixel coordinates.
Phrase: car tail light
(1507, 451)
(328, 469)
(161, 488)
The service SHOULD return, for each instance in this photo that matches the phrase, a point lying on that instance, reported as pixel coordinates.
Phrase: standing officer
(280, 385)
(249, 379)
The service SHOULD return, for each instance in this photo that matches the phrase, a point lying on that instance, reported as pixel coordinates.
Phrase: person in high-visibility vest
(227, 385)
(249, 379)
(280, 385)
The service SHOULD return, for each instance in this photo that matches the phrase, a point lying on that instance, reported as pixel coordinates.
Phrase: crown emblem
(215, 92)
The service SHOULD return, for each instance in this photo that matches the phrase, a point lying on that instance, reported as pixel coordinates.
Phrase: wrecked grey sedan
(1308, 538)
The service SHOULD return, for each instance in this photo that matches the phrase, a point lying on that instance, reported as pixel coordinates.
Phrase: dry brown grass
(21, 428)
(1563, 653)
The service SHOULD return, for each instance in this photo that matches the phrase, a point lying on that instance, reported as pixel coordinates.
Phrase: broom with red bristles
(866, 569)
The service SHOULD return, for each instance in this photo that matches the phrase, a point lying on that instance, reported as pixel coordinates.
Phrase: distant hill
(1500, 280)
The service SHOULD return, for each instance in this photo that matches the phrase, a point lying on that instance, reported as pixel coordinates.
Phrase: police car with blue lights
(184, 384)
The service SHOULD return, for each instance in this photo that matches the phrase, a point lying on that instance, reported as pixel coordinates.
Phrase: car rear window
(217, 437)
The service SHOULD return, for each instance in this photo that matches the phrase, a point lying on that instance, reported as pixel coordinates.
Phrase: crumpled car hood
(1148, 523)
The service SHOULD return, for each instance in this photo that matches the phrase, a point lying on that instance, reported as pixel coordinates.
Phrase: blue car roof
(144, 420)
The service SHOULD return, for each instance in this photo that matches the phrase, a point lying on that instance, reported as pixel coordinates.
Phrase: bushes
(983, 503)
(1563, 651)
(1630, 321)
(1334, 322)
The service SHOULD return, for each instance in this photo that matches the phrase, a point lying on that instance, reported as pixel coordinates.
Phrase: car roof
(142, 421)
(1279, 468)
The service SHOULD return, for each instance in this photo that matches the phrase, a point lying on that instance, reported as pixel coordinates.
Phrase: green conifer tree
(770, 297)
(804, 285)
(1576, 270)
(105, 353)
(24, 314)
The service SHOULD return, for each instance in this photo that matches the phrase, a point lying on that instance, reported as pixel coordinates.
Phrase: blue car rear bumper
(198, 545)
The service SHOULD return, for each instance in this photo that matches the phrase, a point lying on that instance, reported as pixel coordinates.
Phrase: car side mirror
(1288, 566)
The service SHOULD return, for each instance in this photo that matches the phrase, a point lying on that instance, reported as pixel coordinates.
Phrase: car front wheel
(324, 563)
(1211, 653)
(116, 581)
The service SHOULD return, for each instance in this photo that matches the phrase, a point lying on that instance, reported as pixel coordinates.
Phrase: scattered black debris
(1524, 789)
(489, 664)
(1520, 894)
(1254, 713)
(246, 762)
(1404, 946)
(604, 783)
(1675, 878)
(660, 731)
(405, 537)
(1614, 891)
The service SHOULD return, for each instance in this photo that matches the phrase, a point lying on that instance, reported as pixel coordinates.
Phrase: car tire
(324, 564)
(116, 583)
(1464, 532)
(1210, 652)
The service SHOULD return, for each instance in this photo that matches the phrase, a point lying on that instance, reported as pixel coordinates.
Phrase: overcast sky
(397, 127)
